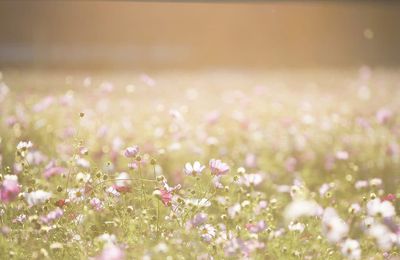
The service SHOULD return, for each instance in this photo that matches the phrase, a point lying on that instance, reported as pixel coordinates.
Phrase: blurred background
(190, 35)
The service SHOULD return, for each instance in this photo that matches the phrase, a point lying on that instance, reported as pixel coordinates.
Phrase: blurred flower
(24, 145)
(290, 164)
(132, 151)
(197, 220)
(37, 197)
(334, 228)
(9, 189)
(111, 252)
(299, 208)
(165, 196)
(97, 204)
(253, 179)
(51, 216)
(350, 248)
(384, 209)
(342, 155)
(299, 227)
(218, 167)
(256, 227)
(383, 115)
(194, 169)
(384, 238)
(52, 170)
(208, 232)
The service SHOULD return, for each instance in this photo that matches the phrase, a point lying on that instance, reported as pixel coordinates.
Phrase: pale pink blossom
(218, 167)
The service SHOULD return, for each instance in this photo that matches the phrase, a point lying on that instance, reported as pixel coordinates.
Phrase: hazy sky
(131, 34)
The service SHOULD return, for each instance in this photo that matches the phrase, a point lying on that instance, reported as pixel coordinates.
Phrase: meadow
(279, 164)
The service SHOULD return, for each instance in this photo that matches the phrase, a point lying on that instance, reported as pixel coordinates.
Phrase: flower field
(301, 164)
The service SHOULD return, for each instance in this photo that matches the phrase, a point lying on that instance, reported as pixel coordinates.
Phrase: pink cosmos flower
(9, 189)
(52, 170)
(131, 151)
(383, 115)
(53, 215)
(97, 204)
(256, 227)
(166, 197)
(218, 167)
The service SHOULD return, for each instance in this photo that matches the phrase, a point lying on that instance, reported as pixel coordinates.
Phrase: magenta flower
(218, 167)
(131, 151)
(9, 189)
(166, 197)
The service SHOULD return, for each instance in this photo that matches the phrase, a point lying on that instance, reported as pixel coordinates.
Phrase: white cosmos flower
(194, 169)
(24, 145)
(82, 177)
(37, 197)
(123, 180)
(333, 227)
(199, 202)
(383, 236)
(253, 179)
(299, 227)
(208, 232)
(234, 210)
(376, 207)
(299, 208)
(351, 249)
(107, 238)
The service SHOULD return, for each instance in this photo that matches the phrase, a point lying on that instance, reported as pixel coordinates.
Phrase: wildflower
(256, 227)
(383, 236)
(234, 210)
(52, 170)
(360, 184)
(107, 238)
(194, 169)
(113, 191)
(208, 232)
(375, 182)
(20, 219)
(350, 248)
(376, 207)
(216, 181)
(83, 177)
(253, 179)
(23, 146)
(342, 155)
(123, 180)
(299, 208)
(197, 220)
(389, 197)
(111, 252)
(165, 196)
(291, 164)
(82, 162)
(199, 202)
(334, 228)
(97, 204)
(37, 197)
(299, 227)
(51, 216)
(383, 115)
(131, 152)
(9, 189)
(218, 167)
